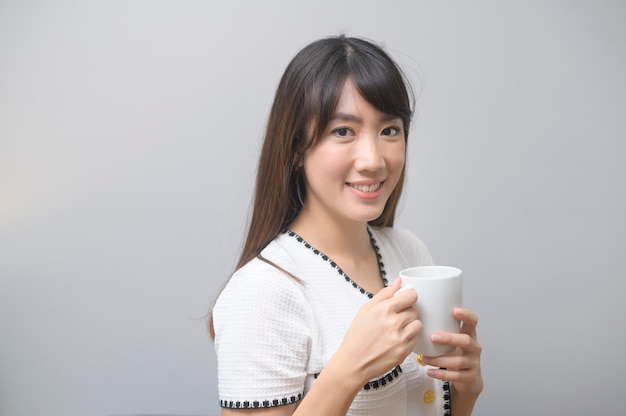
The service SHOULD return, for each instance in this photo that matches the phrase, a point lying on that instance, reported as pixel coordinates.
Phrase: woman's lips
(373, 187)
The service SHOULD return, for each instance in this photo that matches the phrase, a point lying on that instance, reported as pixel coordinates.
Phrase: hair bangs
(323, 94)
(376, 77)
(382, 85)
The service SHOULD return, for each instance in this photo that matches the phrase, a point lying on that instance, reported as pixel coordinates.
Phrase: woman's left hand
(462, 366)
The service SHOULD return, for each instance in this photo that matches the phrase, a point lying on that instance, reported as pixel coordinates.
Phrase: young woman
(308, 324)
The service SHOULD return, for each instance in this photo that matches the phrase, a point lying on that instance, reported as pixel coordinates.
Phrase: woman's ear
(296, 163)
(298, 158)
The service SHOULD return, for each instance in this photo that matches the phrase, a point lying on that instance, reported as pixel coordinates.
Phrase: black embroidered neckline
(381, 266)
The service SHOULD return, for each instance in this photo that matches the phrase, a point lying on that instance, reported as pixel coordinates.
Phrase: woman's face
(356, 163)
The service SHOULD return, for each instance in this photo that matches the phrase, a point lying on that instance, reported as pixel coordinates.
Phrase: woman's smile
(364, 187)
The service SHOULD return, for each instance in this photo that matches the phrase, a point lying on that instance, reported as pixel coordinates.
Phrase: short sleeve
(262, 338)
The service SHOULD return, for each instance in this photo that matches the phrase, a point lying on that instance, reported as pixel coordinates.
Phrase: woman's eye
(342, 132)
(390, 131)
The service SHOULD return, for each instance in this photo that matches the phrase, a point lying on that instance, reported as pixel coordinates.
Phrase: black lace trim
(446, 398)
(258, 404)
(381, 266)
(381, 382)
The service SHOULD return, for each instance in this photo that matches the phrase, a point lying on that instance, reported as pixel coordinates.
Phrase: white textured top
(273, 334)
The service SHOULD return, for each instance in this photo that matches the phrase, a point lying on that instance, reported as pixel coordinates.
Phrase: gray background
(129, 133)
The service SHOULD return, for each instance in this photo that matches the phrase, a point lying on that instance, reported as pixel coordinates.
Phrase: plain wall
(129, 134)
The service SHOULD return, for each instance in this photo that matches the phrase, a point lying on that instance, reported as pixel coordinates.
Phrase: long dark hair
(305, 100)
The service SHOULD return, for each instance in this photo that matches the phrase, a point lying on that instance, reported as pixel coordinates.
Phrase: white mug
(439, 290)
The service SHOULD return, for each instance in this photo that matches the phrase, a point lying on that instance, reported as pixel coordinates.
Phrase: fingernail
(435, 337)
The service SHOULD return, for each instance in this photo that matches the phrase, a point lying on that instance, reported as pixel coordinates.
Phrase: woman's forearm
(332, 393)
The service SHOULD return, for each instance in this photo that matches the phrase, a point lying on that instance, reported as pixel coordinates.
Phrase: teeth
(366, 188)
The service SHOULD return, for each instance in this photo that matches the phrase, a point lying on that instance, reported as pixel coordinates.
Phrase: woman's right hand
(381, 335)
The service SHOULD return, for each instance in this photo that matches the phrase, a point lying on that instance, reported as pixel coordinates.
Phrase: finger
(449, 375)
(466, 380)
(404, 299)
(387, 292)
(411, 331)
(451, 362)
(408, 315)
(400, 298)
(469, 320)
(466, 316)
(462, 341)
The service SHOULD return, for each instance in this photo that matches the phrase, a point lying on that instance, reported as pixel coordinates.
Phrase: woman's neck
(347, 242)
(333, 236)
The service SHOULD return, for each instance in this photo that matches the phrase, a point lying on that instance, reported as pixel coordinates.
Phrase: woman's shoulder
(265, 281)
(257, 275)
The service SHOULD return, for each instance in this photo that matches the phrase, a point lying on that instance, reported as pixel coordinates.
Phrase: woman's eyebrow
(355, 118)
(346, 117)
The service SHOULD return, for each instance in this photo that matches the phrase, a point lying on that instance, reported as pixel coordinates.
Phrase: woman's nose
(370, 155)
